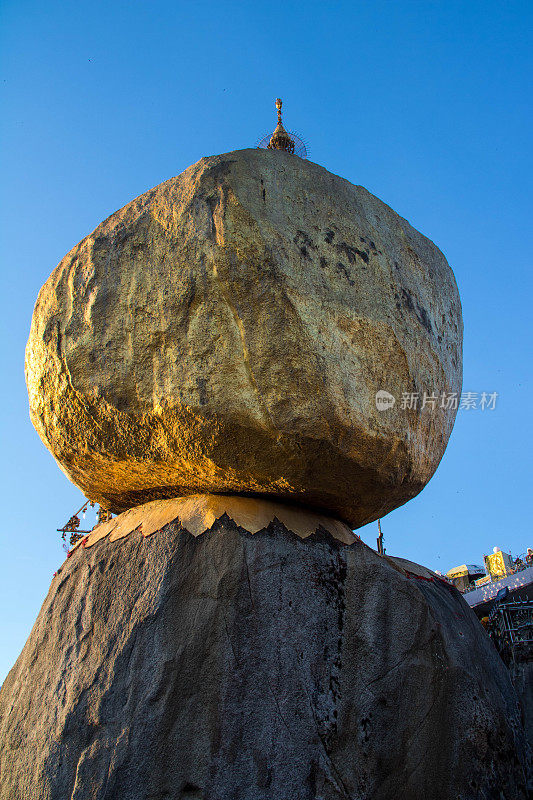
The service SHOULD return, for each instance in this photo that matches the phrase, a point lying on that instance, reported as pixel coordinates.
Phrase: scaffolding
(510, 626)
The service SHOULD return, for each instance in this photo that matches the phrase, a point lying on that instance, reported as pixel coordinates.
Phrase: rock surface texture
(231, 666)
(228, 331)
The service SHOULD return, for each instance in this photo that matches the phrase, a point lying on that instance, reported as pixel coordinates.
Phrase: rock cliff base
(231, 666)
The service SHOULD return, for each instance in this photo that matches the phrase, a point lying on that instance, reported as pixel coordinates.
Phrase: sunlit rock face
(228, 331)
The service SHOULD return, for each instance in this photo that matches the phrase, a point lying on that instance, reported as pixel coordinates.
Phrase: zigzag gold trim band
(198, 512)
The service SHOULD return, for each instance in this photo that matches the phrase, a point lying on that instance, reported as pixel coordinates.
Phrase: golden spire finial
(280, 139)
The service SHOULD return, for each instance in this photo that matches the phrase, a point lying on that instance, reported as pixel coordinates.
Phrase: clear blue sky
(427, 104)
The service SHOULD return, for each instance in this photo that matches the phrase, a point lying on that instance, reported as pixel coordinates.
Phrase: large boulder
(228, 331)
(230, 665)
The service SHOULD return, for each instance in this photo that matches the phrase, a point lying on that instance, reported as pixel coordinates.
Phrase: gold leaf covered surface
(228, 330)
(197, 513)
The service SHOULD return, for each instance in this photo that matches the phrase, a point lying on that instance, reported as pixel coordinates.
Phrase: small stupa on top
(281, 139)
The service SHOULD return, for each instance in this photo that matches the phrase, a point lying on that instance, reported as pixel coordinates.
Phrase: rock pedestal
(253, 667)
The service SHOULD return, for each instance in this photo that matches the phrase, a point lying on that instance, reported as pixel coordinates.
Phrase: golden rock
(228, 331)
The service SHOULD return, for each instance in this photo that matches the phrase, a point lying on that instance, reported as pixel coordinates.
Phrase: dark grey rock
(522, 678)
(265, 667)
